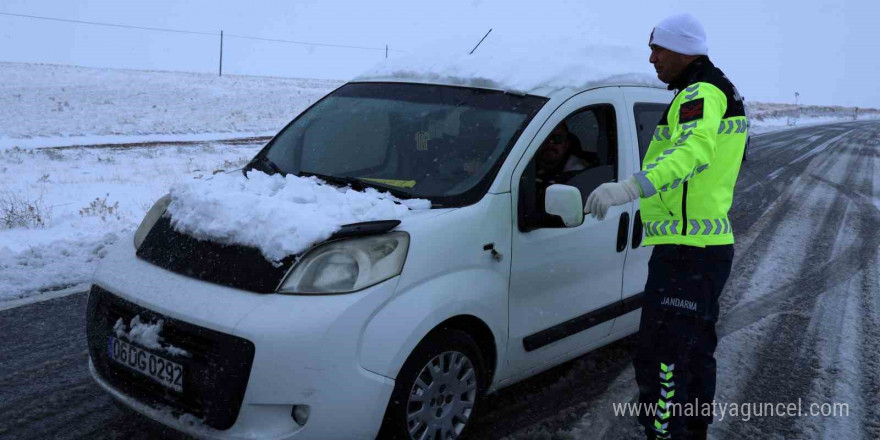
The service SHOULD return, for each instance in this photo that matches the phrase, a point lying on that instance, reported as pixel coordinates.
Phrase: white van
(396, 328)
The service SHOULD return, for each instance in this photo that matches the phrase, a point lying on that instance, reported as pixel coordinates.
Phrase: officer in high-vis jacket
(685, 190)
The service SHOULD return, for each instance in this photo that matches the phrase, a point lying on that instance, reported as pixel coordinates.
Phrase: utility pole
(221, 53)
(797, 110)
(386, 51)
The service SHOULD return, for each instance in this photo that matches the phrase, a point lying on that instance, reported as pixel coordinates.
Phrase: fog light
(300, 414)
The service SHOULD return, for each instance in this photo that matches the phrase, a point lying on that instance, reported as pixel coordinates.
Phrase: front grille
(233, 265)
(241, 267)
(216, 372)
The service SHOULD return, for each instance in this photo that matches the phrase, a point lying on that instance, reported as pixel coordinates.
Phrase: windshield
(440, 143)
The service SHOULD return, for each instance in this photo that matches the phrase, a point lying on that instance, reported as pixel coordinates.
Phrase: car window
(440, 143)
(647, 116)
(580, 151)
(370, 145)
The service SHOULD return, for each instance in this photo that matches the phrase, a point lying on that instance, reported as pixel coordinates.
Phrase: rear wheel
(438, 391)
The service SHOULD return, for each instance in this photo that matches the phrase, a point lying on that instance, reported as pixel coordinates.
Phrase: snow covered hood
(537, 69)
(279, 215)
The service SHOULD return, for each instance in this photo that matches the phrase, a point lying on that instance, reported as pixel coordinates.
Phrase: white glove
(611, 194)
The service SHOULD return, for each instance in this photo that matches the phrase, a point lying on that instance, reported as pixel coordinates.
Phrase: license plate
(161, 370)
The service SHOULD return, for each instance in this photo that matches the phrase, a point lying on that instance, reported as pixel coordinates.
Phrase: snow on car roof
(538, 69)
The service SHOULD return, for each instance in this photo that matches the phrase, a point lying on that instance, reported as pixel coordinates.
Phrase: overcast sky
(823, 49)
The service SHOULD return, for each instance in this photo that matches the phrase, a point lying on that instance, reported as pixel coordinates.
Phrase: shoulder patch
(691, 111)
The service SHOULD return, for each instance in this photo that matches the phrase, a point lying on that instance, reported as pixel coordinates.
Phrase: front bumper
(257, 421)
(306, 352)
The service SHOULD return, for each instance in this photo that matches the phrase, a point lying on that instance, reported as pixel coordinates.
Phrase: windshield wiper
(357, 184)
(264, 164)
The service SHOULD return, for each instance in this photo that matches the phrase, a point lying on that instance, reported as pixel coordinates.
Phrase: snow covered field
(49, 105)
(62, 206)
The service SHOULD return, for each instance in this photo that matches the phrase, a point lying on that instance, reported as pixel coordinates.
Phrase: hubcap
(442, 399)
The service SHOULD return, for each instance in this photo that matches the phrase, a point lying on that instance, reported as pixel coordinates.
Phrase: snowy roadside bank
(73, 203)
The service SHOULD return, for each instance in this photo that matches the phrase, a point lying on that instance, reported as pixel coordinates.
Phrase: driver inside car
(559, 158)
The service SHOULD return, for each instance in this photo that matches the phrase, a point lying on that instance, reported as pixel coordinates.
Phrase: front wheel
(438, 391)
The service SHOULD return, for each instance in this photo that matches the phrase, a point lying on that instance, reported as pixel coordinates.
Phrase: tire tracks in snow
(871, 323)
(554, 399)
(809, 281)
(779, 204)
(789, 361)
(868, 357)
(870, 361)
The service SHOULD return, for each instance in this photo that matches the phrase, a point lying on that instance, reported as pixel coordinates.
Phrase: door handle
(622, 232)
(637, 229)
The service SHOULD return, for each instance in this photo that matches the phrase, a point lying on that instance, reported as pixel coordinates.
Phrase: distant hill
(770, 116)
(764, 110)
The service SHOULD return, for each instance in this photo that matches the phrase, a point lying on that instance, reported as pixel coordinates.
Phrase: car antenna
(481, 42)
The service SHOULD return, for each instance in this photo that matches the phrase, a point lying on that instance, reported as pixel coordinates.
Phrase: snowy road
(800, 319)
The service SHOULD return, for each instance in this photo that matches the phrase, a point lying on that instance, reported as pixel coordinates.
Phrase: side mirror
(566, 202)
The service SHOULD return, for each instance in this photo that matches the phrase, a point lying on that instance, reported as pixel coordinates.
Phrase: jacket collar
(690, 73)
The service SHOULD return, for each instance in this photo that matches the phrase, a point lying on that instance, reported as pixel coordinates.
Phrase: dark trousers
(675, 361)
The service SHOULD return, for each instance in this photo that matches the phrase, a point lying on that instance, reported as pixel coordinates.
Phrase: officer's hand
(611, 194)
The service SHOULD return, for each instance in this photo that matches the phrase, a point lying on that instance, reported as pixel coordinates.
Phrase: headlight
(348, 265)
(153, 216)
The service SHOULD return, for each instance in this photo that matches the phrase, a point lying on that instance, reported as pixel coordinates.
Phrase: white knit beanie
(681, 33)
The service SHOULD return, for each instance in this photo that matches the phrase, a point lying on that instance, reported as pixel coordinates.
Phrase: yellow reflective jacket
(692, 163)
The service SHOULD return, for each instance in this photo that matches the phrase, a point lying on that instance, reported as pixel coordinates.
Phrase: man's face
(667, 63)
(555, 148)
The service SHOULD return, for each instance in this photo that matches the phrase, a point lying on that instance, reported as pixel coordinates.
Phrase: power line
(108, 24)
(212, 34)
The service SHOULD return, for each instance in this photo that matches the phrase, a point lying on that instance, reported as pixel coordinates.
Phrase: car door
(565, 285)
(644, 109)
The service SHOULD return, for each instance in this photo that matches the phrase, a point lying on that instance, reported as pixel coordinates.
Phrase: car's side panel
(561, 276)
(635, 272)
(447, 273)
(565, 357)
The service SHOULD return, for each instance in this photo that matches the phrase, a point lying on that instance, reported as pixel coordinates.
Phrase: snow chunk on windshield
(279, 215)
(526, 67)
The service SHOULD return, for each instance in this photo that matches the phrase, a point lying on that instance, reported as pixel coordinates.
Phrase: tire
(455, 396)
